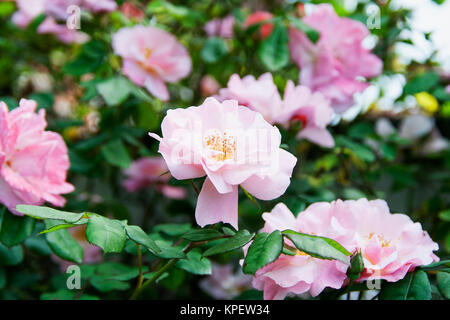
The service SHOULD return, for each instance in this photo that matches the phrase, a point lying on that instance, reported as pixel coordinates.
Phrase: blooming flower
(56, 10)
(299, 103)
(334, 64)
(151, 57)
(225, 284)
(209, 86)
(391, 244)
(300, 273)
(231, 145)
(33, 162)
(258, 17)
(148, 171)
(220, 27)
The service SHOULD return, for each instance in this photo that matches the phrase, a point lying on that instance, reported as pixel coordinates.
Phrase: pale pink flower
(151, 57)
(61, 32)
(33, 162)
(334, 64)
(100, 5)
(28, 10)
(299, 103)
(209, 86)
(224, 283)
(391, 244)
(230, 144)
(260, 94)
(220, 27)
(447, 89)
(151, 171)
(300, 273)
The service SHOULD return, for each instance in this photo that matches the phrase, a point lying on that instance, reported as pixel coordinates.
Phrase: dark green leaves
(195, 263)
(202, 235)
(423, 82)
(89, 59)
(115, 90)
(319, 247)
(240, 239)
(63, 244)
(443, 284)
(311, 33)
(414, 286)
(264, 249)
(138, 235)
(105, 233)
(214, 50)
(15, 229)
(116, 154)
(274, 51)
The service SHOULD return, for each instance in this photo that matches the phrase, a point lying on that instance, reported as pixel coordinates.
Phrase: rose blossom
(300, 273)
(224, 284)
(391, 244)
(220, 27)
(230, 144)
(151, 57)
(334, 64)
(259, 17)
(33, 162)
(149, 171)
(299, 103)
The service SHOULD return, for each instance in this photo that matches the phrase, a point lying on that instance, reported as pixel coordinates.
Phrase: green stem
(141, 276)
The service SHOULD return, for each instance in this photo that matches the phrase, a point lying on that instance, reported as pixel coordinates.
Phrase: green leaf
(103, 284)
(168, 251)
(49, 213)
(195, 263)
(436, 265)
(15, 229)
(318, 247)
(138, 235)
(115, 90)
(214, 50)
(414, 286)
(240, 239)
(172, 229)
(10, 256)
(359, 150)
(422, 82)
(59, 227)
(264, 249)
(92, 55)
(356, 266)
(311, 33)
(117, 271)
(105, 233)
(63, 244)
(116, 154)
(274, 51)
(2, 278)
(202, 235)
(445, 215)
(389, 151)
(443, 284)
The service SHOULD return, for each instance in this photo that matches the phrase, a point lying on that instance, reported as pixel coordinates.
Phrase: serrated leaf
(195, 263)
(318, 247)
(138, 235)
(414, 286)
(274, 51)
(63, 244)
(107, 234)
(49, 213)
(240, 239)
(168, 251)
(15, 229)
(264, 249)
(202, 235)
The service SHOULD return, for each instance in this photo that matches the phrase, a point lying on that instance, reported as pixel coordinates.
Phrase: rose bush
(226, 150)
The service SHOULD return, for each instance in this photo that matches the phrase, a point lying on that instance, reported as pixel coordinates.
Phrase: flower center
(145, 65)
(384, 243)
(223, 145)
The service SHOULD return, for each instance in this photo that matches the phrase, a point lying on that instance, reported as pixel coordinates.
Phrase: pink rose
(61, 32)
(149, 171)
(224, 284)
(28, 10)
(33, 162)
(300, 273)
(220, 27)
(151, 57)
(391, 244)
(334, 64)
(209, 86)
(231, 145)
(299, 103)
